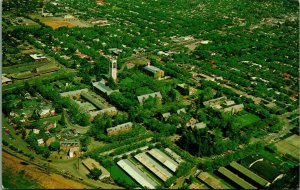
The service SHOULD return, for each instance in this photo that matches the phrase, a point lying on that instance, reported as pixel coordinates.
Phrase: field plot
(212, 181)
(262, 182)
(290, 146)
(235, 178)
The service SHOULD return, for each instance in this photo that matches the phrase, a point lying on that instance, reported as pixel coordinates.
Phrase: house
(100, 23)
(119, 128)
(229, 103)
(49, 141)
(182, 110)
(100, 2)
(161, 53)
(51, 126)
(185, 89)
(36, 131)
(90, 164)
(40, 142)
(234, 109)
(213, 102)
(191, 122)
(26, 113)
(38, 57)
(47, 14)
(115, 51)
(82, 55)
(166, 115)
(5, 80)
(144, 97)
(100, 85)
(68, 16)
(199, 125)
(45, 112)
(156, 72)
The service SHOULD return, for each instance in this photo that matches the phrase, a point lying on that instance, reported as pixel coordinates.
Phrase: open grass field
(247, 119)
(289, 146)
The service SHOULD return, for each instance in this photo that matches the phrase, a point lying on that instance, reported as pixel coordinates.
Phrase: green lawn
(13, 180)
(121, 177)
(247, 119)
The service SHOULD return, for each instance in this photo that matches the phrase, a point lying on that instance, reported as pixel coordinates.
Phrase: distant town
(150, 94)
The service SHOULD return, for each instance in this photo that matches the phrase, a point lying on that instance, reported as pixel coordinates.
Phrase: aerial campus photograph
(150, 94)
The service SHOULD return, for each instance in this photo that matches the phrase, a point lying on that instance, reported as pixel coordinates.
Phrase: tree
(183, 169)
(54, 145)
(95, 173)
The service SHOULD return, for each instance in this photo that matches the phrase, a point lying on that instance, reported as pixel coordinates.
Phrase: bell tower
(113, 69)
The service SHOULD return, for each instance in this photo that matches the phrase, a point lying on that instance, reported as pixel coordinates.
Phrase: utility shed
(211, 181)
(153, 166)
(214, 102)
(164, 159)
(261, 181)
(137, 174)
(236, 179)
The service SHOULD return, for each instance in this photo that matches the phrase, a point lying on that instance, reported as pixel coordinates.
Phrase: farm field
(44, 179)
(290, 145)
